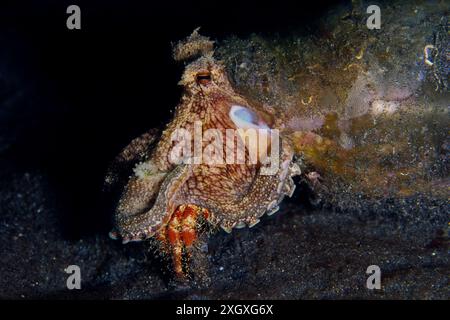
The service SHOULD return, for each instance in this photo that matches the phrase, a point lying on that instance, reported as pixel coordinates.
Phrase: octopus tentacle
(137, 150)
(264, 195)
(143, 225)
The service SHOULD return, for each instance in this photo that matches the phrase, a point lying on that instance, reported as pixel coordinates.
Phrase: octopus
(171, 194)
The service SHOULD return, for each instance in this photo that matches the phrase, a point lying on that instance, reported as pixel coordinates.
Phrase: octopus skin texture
(168, 201)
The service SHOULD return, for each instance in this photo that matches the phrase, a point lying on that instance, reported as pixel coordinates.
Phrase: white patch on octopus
(386, 107)
(145, 169)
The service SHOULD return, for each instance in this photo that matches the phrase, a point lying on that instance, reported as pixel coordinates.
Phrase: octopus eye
(203, 77)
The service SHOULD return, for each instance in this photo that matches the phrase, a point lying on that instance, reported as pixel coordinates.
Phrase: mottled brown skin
(227, 195)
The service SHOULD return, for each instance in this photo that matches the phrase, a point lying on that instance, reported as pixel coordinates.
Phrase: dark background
(71, 99)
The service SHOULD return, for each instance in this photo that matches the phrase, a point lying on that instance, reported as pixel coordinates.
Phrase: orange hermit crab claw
(180, 233)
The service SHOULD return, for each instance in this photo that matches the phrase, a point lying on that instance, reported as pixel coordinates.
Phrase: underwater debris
(369, 109)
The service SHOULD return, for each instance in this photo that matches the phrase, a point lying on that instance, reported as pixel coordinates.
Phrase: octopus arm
(145, 224)
(136, 151)
(264, 195)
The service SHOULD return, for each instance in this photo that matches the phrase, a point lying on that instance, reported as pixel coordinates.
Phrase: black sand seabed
(296, 254)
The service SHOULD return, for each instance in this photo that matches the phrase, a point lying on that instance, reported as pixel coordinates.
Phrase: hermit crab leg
(181, 233)
(175, 242)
